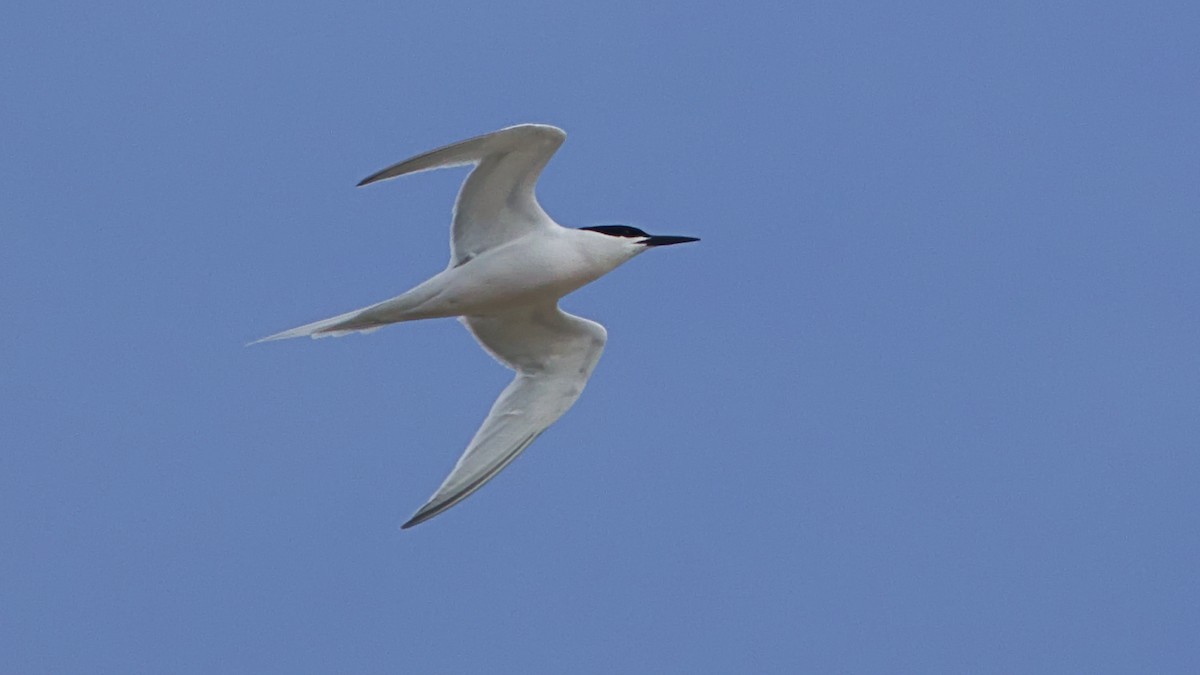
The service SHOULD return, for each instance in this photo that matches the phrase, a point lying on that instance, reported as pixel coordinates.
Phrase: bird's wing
(553, 353)
(496, 203)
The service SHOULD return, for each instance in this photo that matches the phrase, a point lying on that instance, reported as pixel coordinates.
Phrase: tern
(510, 263)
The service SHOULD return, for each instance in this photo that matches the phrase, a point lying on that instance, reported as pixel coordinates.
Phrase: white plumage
(509, 265)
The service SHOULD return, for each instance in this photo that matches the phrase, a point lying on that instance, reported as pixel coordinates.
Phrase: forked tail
(337, 326)
(405, 307)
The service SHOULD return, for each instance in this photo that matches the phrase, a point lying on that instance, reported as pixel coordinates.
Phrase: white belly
(522, 273)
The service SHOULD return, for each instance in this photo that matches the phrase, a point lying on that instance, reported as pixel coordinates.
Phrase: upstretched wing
(496, 203)
(553, 353)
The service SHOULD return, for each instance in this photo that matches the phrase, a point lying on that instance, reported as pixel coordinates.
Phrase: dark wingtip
(377, 176)
(421, 516)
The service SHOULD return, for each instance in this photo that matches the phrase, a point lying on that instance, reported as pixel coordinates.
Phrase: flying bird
(509, 265)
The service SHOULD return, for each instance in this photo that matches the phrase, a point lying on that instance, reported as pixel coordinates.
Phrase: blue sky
(924, 399)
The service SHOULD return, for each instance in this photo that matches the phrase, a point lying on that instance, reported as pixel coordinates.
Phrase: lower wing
(554, 354)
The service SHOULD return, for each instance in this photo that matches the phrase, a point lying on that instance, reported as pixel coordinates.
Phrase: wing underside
(554, 354)
(496, 203)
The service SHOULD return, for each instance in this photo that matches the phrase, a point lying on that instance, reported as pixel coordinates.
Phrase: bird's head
(634, 240)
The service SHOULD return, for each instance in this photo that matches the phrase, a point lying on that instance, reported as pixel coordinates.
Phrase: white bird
(509, 265)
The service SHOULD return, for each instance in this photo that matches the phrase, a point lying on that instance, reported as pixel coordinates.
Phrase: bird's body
(510, 264)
